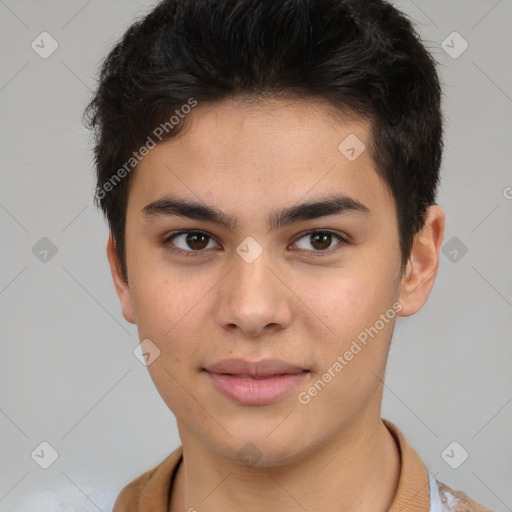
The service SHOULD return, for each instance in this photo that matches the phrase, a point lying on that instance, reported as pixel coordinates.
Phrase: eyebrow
(330, 205)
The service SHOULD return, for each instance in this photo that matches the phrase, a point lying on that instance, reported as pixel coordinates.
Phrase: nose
(252, 299)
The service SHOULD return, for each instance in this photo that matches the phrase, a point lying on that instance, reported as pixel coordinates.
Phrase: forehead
(268, 128)
(259, 153)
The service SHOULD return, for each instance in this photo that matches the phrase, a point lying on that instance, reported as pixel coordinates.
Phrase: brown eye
(189, 242)
(196, 241)
(319, 241)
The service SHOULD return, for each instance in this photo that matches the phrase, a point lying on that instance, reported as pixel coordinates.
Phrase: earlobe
(421, 269)
(121, 286)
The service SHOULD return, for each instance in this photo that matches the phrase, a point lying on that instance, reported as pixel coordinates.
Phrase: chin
(255, 448)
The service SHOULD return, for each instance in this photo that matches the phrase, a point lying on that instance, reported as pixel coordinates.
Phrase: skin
(250, 159)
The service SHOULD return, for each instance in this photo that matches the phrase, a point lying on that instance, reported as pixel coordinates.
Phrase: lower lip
(247, 391)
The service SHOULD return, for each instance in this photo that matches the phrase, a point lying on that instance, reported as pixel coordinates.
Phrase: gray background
(67, 369)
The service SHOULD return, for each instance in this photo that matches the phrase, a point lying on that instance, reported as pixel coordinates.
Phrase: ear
(421, 270)
(122, 287)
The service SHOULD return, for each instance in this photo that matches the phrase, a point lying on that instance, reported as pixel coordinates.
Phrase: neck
(358, 471)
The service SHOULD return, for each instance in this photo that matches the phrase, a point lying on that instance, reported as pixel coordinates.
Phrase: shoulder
(446, 499)
(131, 493)
(150, 491)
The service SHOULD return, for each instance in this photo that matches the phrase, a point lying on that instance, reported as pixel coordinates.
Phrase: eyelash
(167, 242)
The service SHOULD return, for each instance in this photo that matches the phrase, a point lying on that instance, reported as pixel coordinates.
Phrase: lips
(265, 368)
(255, 383)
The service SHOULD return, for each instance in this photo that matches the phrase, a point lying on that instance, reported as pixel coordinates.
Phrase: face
(285, 264)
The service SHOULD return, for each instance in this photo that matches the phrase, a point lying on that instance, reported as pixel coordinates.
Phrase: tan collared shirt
(417, 490)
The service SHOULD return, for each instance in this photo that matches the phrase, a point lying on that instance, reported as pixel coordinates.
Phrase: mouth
(255, 383)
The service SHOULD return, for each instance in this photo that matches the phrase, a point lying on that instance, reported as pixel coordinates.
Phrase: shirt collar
(413, 491)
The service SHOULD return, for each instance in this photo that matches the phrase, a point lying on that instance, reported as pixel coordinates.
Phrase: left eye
(320, 241)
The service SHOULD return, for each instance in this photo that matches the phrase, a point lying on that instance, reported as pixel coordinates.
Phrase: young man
(268, 171)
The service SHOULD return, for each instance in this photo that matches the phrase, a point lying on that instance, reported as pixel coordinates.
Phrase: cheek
(352, 358)
(352, 308)
(168, 312)
(347, 301)
(161, 296)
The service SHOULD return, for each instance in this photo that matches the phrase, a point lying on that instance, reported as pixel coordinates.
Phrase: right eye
(189, 243)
